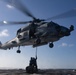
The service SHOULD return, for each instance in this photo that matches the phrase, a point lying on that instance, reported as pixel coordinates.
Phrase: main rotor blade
(5, 22)
(71, 13)
(17, 4)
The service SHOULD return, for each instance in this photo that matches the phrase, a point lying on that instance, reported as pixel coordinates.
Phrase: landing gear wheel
(38, 41)
(18, 51)
(51, 45)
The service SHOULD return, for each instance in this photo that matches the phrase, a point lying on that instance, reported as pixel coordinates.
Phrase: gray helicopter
(38, 32)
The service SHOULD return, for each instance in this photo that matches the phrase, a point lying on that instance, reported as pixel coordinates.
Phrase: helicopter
(38, 32)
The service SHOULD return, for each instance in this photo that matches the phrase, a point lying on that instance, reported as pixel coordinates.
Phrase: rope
(36, 52)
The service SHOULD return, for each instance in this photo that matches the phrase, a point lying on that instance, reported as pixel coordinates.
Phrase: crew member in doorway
(32, 30)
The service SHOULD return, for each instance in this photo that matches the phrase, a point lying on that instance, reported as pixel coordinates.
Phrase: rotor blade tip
(5, 22)
(9, 6)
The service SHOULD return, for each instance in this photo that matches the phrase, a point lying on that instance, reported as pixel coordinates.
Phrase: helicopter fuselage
(47, 32)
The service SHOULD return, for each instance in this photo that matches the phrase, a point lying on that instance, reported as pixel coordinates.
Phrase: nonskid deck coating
(41, 72)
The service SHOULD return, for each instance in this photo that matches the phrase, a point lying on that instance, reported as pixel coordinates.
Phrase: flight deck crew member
(32, 30)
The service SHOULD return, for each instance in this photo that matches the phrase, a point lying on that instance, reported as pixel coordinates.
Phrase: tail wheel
(51, 45)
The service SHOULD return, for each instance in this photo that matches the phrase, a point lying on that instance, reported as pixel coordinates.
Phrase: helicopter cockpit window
(18, 31)
(26, 33)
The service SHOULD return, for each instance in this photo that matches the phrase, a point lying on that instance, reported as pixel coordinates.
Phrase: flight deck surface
(41, 72)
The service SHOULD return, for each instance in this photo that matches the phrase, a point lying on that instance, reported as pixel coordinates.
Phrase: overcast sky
(63, 55)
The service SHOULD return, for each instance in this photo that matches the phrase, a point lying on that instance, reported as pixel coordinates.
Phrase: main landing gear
(18, 51)
(51, 45)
